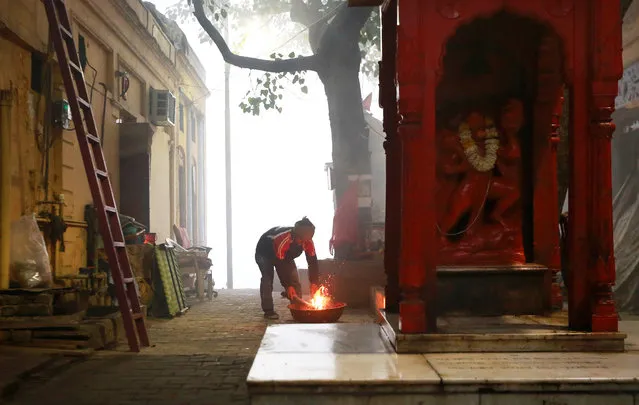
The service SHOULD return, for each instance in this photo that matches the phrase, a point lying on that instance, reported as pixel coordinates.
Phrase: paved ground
(202, 357)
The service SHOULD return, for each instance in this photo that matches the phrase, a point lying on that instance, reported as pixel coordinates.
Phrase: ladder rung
(84, 104)
(65, 31)
(101, 173)
(75, 67)
(93, 138)
(128, 280)
(112, 210)
(137, 316)
(119, 244)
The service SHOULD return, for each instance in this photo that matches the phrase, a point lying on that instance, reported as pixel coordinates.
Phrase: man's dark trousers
(286, 271)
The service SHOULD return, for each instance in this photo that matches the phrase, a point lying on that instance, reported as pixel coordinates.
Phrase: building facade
(148, 93)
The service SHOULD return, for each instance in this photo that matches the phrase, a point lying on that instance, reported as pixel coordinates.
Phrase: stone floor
(350, 364)
(202, 357)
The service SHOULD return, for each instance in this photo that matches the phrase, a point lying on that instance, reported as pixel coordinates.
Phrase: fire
(321, 299)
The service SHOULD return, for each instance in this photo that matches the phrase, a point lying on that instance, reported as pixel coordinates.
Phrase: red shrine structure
(473, 94)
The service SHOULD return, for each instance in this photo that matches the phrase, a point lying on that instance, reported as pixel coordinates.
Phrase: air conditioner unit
(162, 108)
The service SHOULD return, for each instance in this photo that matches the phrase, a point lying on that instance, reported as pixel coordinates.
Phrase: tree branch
(276, 66)
(345, 29)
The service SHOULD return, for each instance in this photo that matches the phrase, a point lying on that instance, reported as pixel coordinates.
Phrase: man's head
(304, 230)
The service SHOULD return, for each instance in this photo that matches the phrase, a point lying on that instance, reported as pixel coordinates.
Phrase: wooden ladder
(96, 171)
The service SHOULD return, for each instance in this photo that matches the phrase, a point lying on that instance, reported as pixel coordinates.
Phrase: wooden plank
(56, 344)
(40, 322)
(49, 319)
(13, 349)
(55, 334)
(38, 325)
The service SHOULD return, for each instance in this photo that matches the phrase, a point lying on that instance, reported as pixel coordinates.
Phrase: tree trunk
(339, 73)
(337, 61)
(348, 129)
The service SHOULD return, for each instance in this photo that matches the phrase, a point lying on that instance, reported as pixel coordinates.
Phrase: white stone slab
(561, 399)
(531, 368)
(448, 399)
(288, 399)
(631, 327)
(285, 369)
(325, 338)
(466, 399)
(429, 399)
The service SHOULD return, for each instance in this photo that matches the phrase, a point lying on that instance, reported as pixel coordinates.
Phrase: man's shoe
(271, 315)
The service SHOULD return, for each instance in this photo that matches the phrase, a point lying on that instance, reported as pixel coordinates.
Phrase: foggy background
(277, 158)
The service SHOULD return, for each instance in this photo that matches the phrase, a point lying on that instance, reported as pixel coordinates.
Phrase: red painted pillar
(579, 310)
(546, 126)
(388, 98)
(607, 70)
(410, 68)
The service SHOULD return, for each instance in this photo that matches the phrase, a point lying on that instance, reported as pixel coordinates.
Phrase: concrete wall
(120, 35)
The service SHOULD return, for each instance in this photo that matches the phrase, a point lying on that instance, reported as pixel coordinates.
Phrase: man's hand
(291, 293)
(314, 289)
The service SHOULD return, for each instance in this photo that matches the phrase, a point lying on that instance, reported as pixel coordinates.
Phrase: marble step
(352, 364)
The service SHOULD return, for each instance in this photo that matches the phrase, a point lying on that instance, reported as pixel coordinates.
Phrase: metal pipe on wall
(6, 99)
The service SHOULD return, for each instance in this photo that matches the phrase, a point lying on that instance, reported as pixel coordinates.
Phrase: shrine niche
(472, 92)
(485, 134)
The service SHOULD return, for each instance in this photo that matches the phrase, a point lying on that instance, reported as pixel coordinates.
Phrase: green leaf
(291, 55)
(223, 12)
(304, 89)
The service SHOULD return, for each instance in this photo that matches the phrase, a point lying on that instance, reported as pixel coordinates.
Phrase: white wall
(160, 193)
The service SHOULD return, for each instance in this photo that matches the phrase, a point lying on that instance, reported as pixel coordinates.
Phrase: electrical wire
(328, 15)
(103, 112)
(95, 75)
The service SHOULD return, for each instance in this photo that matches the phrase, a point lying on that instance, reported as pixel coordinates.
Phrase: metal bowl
(303, 314)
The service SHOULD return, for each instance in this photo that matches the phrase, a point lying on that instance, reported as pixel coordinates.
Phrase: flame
(321, 299)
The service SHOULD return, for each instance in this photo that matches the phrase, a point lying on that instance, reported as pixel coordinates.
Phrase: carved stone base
(500, 334)
(494, 291)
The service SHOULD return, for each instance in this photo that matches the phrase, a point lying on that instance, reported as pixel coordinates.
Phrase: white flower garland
(480, 163)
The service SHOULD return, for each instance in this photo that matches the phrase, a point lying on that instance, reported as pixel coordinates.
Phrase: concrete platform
(352, 364)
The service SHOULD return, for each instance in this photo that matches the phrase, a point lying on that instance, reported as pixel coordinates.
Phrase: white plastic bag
(30, 266)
